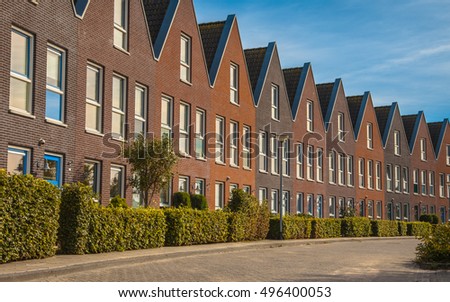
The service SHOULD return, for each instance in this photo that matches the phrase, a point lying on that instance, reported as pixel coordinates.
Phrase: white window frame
(300, 203)
(389, 178)
(234, 84)
(262, 194)
(309, 116)
(121, 28)
(120, 169)
(319, 209)
(183, 180)
(199, 186)
(185, 62)
(219, 193)
(332, 167)
(370, 174)
(140, 117)
(274, 156)
(350, 175)
(246, 141)
(423, 179)
(310, 204)
(166, 125)
(378, 175)
(332, 207)
(341, 127)
(405, 180)
(300, 171)
(233, 187)
(397, 175)
(96, 181)
(416, 188)
(379, 209)
(120, 111)
(234, 141)
(370, 136)
(25, 153)
(275, 102)
(341, 169)
(184, 129)
(285, 158)
(97, 103)
(448, 156)
(319, 166)
(423, 149)
(441, 185)
(361, 174)
(310, 163)
(262, 140)
(220, 140)
(431, 183)
(59, 90)
(397, 150)
(274, 201)
(200, 130)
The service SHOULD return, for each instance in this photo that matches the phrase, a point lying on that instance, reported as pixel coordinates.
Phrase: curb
(167, 253)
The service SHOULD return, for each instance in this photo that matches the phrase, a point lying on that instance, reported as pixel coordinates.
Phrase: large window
(319, 168)
(185, 111)
(21, 71)
(54, 109)
(234, 84)
(234, 138)
(350, 178)
(309, 116)
(200, 145)
(378, 175)
(263, 151)
(93, 98)
(219, 195)
(431, 183)
(274, 201)
(274, 155)
(300, 203)
(18, 161)
(416, 181)
(361, 173)
(220, 136)
(275, 103)
(262, 194)
(423, 149)
(285, 158)
(397, 172)
(310, 163)
(405, 178)
(119, 107)
(397, 142)
(300, 160)
(116, 184)
(185, 58)
(389, 181)
(121, 24)
(341, 169)
(423, 179)
(92, 172)
(370, 174)
(369, 135)
(166, 117)
(140, 109)
(332, 167)
(310, 204)
(341, 129)
(332, 206)
(246, 161)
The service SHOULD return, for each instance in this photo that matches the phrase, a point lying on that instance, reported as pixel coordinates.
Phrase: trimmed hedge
(294, 227)
(355, 227)
(86, 227)
(436, 247)
(29, 211)
(402, 228)
(419, 229)
(189, 226)
(199, 202)
(431, 218)
(325, 228)
(384, 228)
(181, 199)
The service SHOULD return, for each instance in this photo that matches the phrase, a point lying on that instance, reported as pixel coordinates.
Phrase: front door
(52, 169)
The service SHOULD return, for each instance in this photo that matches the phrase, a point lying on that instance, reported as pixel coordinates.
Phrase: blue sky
(398, 50)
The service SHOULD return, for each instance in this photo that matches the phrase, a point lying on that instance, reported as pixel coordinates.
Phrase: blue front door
(52, 169)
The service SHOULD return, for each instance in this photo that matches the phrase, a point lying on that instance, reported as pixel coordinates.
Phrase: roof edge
(362, 111)
(264, 71)
(165, 27)
(299, 91)
(390, 120)
(334, 93)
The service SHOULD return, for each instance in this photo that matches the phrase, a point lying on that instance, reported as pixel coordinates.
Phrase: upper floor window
(309, 116)
(369, 135)
(220, 133)
(310, 163)
(185, 59)
(361, 173)
(423, 179)
(200, 142)
(121, 24)
(370, 174)
(20, 89)
(397, 185)
(378, 175)
(448, 155)
(416, 181)
(166, 117)
(319, 168)
(341, 169)
(140, 97)
(275, 103)
(79, 6)
(442, 185)
(119, 104)
(285, 158)
(234, 84)
(55, 84)
(397, 142)
(405, 178)
(341, 130)
(184, 128)
(234, 138)
(274, 153)
(431, 181)
(350, 178)
(300, 160)
(263, 151)
(389, 181)
(93, 98)
(246, 148)
(423, 149)
(332, 167)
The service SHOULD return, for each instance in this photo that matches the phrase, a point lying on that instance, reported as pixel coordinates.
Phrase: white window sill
(234, 166)
(201, 159)
(235, 104)
(247, 168)
(184, 155)
(94, 132)
(22, 113)
(186, 82)
(55, 122)
(121, 49)
(220, 163)
(263, 172)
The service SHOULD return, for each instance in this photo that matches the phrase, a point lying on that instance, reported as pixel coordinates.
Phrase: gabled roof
(385, 117)
(357, 106)
(411, 124)
(160, 15)
(437, 133)
(215, 37)
(295, 79)
(327, 96)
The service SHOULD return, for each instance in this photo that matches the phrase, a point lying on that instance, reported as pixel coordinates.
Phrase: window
(423, 178)
(378, 175)
(247, 189)
(262, 194)
(397, 179)
(441, 185)
(300, 161)
(341, 169)
(448, 155)
(246, 148)
(390, 211)
(379, 210)
(350, 179)
(116, 184)
(185, 110)
(448, 187)
(423, 149)
(233, 187)
(389, 181)
(263, 151)
(164, 195)
(405, 211)
(405, 178)
(274, 201)
(341, 130)
(79, 6)
(299, 203)
(20, 89)
(309, 116)
(416, 181)
(140, 109)
(319, 206)
(55, 84)
(234, 137)
(185, 58)
(200, 145)
(274, 153)
(285, 202)
(93, 98)
(18, 161)
(362, 208)
(398, 211)
(397, 142)
(310, 163)
(120, 24)
(369, 135)
(137, 199)
(166, 117)
(332, 167)
(275, 103)
(370, 209)
(341, 206)
(431, 183)
(332, 206)
(234, 87)
(319, 168)
(310, 204)
(219, 195)
(119, 107)
(370, 174)
(220, 154)
(92, 174)
(361, 173)
(183, 184)
(199, 186)
(285, 158)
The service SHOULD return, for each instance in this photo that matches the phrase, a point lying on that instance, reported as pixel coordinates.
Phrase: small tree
(151, 162)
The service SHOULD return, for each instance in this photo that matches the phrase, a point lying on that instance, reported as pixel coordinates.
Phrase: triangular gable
(437, 133)
(328, 96)
(360, 104)
(297, 81)
(385, 117)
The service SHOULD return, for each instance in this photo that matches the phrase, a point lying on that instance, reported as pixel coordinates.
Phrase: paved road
(377, 260)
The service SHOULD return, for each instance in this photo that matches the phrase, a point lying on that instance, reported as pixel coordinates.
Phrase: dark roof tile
(255, 59)
(435, 132)
(408, 122)
(382, 113)
(324, 91)
(155, 10)
(292, 78)
(211, 33)
(354, 105)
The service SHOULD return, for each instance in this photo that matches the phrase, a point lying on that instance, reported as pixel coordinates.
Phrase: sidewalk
(28, 269)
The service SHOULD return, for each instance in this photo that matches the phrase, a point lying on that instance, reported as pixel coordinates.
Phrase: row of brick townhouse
(79, 78)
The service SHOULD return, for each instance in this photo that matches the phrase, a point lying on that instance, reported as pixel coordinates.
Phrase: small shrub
(355, 227)
(419, 229)
(325, 228)
(402, 228)
(293, 227)
(436, 247)
(431, 218)
(385, 228)
(181, 199)
(199, 202)
(118, 202)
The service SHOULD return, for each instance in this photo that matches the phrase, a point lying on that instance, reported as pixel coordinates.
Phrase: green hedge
(325, 228)
(431, 218)
(419, 229)
(384, 228)
(355, 227)
(86, 227)
(402, 228)
(294, 227)
(29, 209)
(188, 226)
(181, 199)
(435, 248)
(199, 202)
